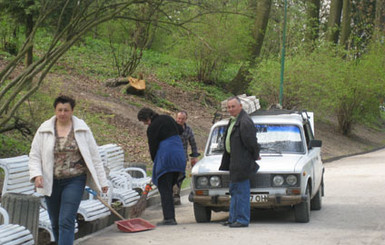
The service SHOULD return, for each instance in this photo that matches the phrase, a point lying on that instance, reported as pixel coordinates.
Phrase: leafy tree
(363, 17)
(128, 39)
(313, 21)
(215, 40)
(8, 34)
(23, 12)
(220, 39)
(14, 90)
(242, 80)
(73, 19)
(348, 89)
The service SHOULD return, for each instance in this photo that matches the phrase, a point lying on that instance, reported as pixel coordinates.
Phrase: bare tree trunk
(28, 31)
(260, 24)
(241, 81)
(313, 9)
(380, 16)
(334, 20)
(346, 22)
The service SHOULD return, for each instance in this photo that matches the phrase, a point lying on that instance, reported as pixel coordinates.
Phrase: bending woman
(168, 155)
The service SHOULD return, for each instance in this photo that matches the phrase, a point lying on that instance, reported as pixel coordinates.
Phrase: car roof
(276, 117)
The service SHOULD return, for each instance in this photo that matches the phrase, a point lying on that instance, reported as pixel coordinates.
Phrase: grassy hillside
(111, 113)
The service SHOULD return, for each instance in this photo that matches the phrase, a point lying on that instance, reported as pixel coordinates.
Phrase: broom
(141, 205)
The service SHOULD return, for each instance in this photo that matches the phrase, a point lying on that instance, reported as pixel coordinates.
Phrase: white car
(290, 173)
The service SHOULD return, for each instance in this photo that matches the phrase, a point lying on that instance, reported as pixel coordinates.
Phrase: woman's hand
(105, 189)
(39, 181)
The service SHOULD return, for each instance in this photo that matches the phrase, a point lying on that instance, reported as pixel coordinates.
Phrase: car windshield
(273, 139)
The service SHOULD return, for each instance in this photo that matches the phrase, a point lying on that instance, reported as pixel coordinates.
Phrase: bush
(329, 81)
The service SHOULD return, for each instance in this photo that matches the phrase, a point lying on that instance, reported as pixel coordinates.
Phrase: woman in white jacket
(63, 159)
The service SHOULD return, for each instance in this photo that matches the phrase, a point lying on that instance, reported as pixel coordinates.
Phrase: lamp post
(283, 55)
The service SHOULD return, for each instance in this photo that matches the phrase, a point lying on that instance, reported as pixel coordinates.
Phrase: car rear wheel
(302, 210)
(202, 214)
(316, 202)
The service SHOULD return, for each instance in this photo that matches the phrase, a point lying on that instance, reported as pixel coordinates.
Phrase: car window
(271, 137)
(280, 138)
(216, 144)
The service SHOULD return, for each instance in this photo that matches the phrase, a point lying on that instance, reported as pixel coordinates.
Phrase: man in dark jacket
(241, 152)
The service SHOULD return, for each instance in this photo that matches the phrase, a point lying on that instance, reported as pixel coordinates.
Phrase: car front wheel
(302, 210)
(202, 214)
(316, 202)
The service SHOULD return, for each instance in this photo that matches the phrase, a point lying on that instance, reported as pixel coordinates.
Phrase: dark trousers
(165, 185)
(63, 205)
(178, 186)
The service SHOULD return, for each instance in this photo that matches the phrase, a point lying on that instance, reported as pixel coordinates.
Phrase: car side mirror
(315, 143)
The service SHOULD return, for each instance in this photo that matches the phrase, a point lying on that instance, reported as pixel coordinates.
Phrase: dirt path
(123, 110)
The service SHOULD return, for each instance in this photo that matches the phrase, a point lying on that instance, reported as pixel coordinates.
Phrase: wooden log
(24, 210)
(116, 82)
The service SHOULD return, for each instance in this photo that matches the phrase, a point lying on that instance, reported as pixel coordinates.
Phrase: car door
(314, 154)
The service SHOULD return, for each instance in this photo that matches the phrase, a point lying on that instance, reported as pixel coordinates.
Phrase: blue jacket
(170, 157)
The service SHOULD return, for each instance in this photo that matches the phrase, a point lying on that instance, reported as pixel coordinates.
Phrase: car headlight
(278, 180)
(215, 181)
(291, 179)
(202, 181)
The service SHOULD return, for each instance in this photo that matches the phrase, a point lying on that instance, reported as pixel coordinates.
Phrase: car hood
(268, 163)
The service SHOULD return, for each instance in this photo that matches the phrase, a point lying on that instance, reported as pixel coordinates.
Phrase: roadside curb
(350, 155)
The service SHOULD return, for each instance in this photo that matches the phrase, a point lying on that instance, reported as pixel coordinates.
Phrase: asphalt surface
(353, 212)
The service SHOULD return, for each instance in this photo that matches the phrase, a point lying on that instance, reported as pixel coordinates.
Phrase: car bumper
(268, 202)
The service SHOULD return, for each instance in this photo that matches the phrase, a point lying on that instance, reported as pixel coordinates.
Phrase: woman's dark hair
(146, 113)
(64, 99)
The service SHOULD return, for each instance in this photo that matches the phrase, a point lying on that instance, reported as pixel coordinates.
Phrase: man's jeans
(63, 205)
(240, 202)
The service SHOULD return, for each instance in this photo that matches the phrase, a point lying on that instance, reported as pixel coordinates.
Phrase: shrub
(329, 81)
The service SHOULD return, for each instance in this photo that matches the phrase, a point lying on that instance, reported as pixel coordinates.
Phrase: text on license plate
(258, 198)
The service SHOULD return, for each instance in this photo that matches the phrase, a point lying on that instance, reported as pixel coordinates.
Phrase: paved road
(353, 212)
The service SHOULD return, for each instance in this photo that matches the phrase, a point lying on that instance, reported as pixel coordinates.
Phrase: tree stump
(24, 210)
(135, 86)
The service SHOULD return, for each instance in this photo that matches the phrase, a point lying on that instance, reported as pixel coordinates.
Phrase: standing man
(187, 138)
(241, 152)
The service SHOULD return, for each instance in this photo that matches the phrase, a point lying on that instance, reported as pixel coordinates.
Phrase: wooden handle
(108, 206)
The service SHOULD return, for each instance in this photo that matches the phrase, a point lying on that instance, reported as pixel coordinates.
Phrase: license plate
(258, 198)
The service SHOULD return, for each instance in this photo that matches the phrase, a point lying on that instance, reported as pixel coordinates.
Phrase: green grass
(91, 58)
(13, 144)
